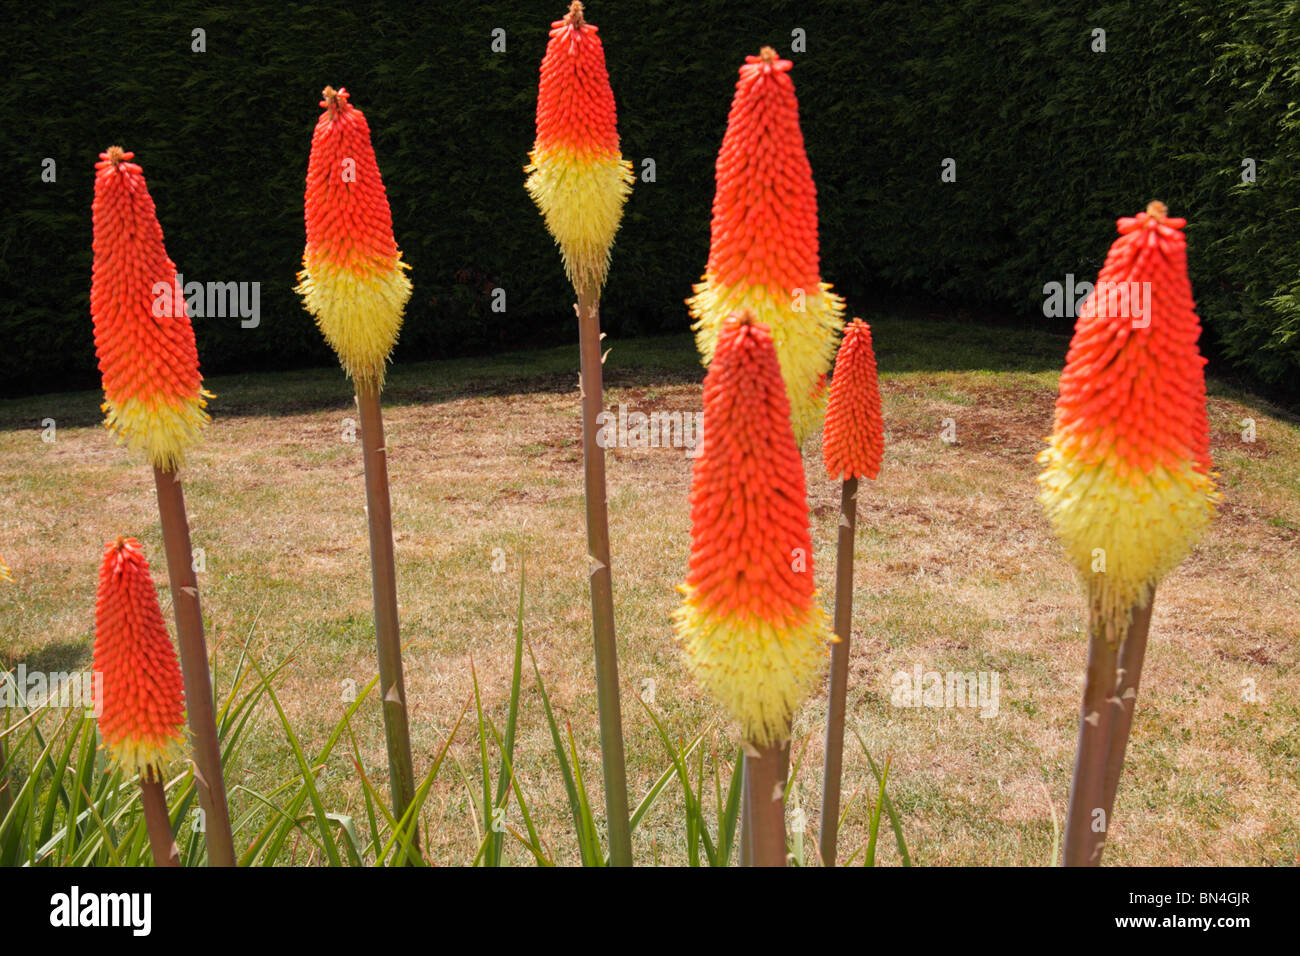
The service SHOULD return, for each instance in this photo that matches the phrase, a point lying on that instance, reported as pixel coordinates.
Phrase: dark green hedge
(1052, 143)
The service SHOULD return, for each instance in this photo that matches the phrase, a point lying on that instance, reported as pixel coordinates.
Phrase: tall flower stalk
(764, 254)
(154, 402)
(753, 634)
(852, 448)
(141, 711)
(1128, 485)
(580, 181)
(354, 284)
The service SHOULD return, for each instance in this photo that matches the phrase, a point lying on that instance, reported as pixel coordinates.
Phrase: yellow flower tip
(1123, 537)
(759, 671)
(360, 315)
(137, 755)
(164, 432)
(581, 198)
(805, 339)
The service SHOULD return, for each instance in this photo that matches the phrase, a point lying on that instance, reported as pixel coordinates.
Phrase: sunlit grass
(956, 570)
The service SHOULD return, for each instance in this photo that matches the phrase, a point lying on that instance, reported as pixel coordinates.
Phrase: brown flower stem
(209, 783)
(156, 821)
(765, 793)
(830, 815)
(747, 807)
(602, 585)
(383, 576)
(1131, 654)
(1085, 829)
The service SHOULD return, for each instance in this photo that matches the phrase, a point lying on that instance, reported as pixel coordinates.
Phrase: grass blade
(874, 830)
(894, 821)
(587, 853)
(512, 718)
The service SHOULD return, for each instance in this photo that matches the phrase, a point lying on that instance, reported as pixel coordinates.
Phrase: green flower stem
(602, 588)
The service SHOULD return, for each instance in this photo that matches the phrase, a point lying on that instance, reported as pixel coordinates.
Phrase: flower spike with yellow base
(580, 181)
(153, 394)
(576, 174)
(353, 280)
(141, 701)
(1128, 485)
(354, 284)
(154, 400)
(763, 253)
(752, 631)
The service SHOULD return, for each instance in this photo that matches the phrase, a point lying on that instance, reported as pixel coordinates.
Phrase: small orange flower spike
(353, 280)
(142, 707)
(576, 174)
(750, 625)
(1128, 485)
(854, 440)
(764, 254)
(153, 393)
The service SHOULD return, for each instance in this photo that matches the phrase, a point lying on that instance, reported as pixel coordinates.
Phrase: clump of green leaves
(63, 804)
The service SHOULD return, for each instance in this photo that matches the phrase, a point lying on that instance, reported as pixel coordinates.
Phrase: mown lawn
(956, 571)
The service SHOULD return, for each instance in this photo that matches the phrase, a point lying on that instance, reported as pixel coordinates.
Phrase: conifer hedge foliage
(1039, 123)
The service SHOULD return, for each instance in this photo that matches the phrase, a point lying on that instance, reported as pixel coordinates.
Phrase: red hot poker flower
(763, 251)
(153, 393)
(854, 440)
(750, 625)
(1128, 486)
(353, 280)
(139, 677)
(576, 174)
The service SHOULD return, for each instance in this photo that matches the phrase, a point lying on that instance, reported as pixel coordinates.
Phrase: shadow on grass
(918, 341)
(67, 656)
(551, 370)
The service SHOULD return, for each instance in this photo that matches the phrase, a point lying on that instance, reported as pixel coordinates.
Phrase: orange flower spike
(138, 676)
(153, 393)
(1128, 485)
(854, 440)
(753, 633)
(764, 253)
(576, 174)
(353, 280)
